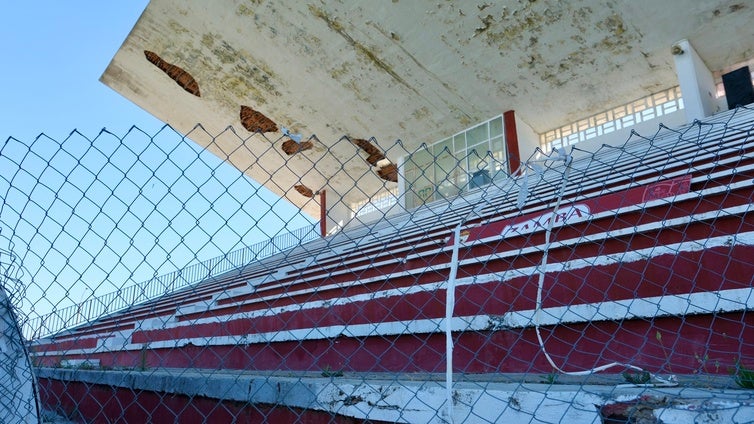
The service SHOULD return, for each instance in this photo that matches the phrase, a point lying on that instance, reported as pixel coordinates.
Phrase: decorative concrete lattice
(161, 284)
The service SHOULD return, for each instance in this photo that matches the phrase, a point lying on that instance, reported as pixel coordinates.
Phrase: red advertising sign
(577, 212)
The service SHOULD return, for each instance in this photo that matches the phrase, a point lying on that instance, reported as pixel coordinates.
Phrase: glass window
(497, 145)
(459, 143)
(477, 135)
(419, 178)
(478, 160)
(446, 173)
(496, 127)
(443, 146)
(469, 159)
(422, 161)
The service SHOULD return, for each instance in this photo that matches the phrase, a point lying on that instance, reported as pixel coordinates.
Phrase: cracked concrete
(421, 398)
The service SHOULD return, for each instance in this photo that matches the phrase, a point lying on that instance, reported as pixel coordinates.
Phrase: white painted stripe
(563, 243)
(633, 208)
(594, 237)
(742, 238)
(290, 271)
(644, 308)
(640, 206)
(745, 239)
(647, 307)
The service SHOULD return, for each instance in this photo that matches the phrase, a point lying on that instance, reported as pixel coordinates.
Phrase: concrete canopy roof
(412, 70)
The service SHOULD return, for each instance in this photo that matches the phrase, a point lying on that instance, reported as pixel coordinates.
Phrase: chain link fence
(154, 282)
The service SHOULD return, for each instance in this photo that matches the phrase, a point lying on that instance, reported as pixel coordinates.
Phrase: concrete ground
(420, 398)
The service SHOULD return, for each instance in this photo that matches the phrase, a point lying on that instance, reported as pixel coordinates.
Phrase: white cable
(450, 301)
(540, 284)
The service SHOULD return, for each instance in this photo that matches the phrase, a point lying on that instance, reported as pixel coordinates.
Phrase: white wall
(696, 80)
(528, 140)
(618, 138)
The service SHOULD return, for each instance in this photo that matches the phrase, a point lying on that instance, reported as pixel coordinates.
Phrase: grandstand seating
(650, 248)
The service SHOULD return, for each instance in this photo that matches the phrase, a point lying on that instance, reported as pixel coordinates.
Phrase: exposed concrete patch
(375, 155)
(291, 147)
(256, 121)
(176, 73)
(389, 173)
(304, 190)
(386, 170)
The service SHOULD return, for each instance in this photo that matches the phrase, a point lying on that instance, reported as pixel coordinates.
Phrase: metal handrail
(96, 307)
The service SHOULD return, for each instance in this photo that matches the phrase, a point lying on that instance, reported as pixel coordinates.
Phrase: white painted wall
(696, 81)
(617, 138)
(528, 139)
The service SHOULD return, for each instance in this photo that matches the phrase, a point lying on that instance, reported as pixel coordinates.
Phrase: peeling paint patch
(385, 168)
(246, 77)
(389, 173)
(340, 71)
(208, 40)
(486, 22)
(256, 121)
(420, 113)
(225, 53)
(518, 24)
(736, 7)
(176, 73)
(613, 24)
(375, 155)
(304, 190)
(291, 147)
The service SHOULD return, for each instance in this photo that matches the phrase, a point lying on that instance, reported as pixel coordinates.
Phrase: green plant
(704, 361)
(658, 336)
(744, 377)
(641, 377)
(551, 378)
(329, 372)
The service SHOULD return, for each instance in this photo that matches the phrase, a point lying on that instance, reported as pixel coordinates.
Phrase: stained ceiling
(413, 70)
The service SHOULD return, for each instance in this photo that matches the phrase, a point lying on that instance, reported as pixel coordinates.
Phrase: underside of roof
(414, 71)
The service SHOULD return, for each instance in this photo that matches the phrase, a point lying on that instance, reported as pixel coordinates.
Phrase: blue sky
(104, 213)
(53, 55)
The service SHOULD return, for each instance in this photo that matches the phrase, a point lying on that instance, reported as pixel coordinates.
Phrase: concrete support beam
(696, 80)
(338, 213)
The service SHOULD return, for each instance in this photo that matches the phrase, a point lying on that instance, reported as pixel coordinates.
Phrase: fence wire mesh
(153, 281)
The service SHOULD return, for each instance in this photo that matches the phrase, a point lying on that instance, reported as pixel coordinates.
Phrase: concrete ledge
(156, 323)
(80, 363)
(421, 398)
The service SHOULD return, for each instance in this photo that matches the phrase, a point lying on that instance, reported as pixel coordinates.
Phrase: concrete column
(337, 213)
(18, 389)
(696, 80)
